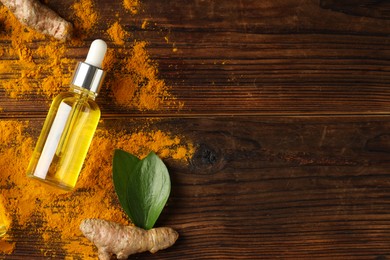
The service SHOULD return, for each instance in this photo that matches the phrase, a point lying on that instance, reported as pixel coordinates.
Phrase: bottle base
(52, 183)
(3, 230)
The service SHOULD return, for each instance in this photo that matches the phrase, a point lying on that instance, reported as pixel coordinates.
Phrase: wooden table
(288, 105)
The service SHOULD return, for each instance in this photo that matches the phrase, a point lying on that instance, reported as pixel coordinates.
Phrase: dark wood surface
(288, 105)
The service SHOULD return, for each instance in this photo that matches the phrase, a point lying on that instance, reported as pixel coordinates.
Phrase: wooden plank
(248, 57)
(370, 8)
(270, 187)
(287, 105)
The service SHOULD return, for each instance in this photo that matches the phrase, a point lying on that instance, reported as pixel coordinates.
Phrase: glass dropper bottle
(70, 125)
(3, 218)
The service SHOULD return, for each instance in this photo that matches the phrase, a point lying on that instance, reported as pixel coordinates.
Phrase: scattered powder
(117, 34)
(142, 142)
(174, 48)
(109, 61)
(86, 14)
(6, 247)
(31, 202)
(133, 80)
(144, 24)
(136, 84)
(131, 5)
(28, 67)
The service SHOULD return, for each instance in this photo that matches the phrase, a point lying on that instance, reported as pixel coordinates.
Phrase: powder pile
(117, 34)
(6, 247)
(131, 5)
(133, 81)
(94, 197)
(86, 15)
(136, 83)
(39, 69)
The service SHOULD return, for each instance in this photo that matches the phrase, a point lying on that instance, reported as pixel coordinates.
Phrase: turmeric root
(39, 17)
(113, 238)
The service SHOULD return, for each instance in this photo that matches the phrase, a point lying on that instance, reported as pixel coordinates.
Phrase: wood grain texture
(370, 8)
(288, 105)
(250, 57)
(271, 187)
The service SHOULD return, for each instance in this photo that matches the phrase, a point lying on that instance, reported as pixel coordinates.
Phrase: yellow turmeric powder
(44, 70)
(136, 84)
(117, 34)
(131, 5)
(94, 196)
(134, 81)
(31, 66)
(144, 24)
(86, 15)
(7, 247)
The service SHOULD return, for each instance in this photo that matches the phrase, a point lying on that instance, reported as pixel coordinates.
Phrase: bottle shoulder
(76, 99)
(63, 96)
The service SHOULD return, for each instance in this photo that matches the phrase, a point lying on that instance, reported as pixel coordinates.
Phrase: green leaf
(122, 165)
(142, 186)
(148, 191)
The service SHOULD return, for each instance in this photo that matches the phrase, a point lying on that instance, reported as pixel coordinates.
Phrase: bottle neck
(83, 92)
(88, 76)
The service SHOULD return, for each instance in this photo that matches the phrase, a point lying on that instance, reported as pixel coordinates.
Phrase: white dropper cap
(96, 53)
(89, 74)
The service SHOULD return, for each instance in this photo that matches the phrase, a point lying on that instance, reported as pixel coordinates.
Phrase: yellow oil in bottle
(65, 139)
(70, 125)
(3, 228)
(3, 219)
